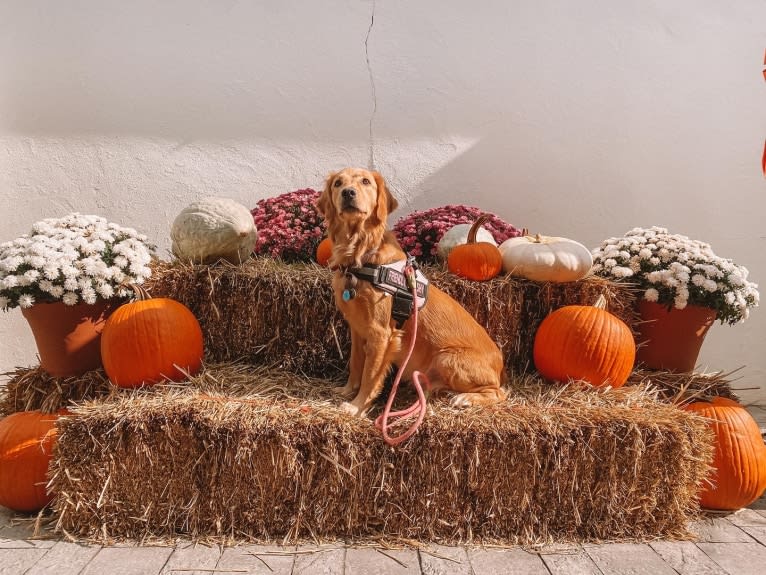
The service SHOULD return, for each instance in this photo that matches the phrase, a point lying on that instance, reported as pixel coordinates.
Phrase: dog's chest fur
(368, 307)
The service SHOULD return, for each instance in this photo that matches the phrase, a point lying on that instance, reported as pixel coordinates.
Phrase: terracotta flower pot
(68, 337)
(671, 339)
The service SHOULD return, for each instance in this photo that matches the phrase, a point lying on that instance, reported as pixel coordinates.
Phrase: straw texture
(253, 453)
(272, 313)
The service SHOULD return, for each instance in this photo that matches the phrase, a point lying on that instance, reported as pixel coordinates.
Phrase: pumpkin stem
(537, 238)
(475, 228)
(600, 302)
(139, 293)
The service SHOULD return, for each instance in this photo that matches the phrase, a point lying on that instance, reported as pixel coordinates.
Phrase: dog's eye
(365, 181)
(337, 183)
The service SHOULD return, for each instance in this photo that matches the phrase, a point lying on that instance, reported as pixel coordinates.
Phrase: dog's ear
(386, 202)
(324, 203)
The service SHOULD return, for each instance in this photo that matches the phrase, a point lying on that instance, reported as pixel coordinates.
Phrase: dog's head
(355, 199)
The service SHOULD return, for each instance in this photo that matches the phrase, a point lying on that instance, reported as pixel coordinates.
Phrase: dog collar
(390, 279)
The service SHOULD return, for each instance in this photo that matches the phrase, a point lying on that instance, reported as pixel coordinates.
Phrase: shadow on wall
(554, 185)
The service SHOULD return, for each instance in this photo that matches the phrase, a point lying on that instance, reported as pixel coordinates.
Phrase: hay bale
(272, 313)
(263, 311)
(32, 388)
(274, 459)
(28, 389)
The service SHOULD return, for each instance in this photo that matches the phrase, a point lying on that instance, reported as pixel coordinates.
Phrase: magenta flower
(420, 232)
(289, 226)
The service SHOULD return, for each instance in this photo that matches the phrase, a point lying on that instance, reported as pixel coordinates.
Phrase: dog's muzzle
(348, 199)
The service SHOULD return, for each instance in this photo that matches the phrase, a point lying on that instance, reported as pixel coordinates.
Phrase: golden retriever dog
(451, 348)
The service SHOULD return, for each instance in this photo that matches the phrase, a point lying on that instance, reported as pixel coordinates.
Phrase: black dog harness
(391, 279)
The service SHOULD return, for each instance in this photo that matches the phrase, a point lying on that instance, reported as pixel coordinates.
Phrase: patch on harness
(391, 279)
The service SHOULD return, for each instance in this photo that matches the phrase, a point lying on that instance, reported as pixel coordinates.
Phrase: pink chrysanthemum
(419, 233)
(289, 226)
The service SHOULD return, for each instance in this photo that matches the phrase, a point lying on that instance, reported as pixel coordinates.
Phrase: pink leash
(383, 421)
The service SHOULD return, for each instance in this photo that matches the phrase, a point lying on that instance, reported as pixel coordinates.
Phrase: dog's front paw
(345, 391)
(462, 400)
(351, 409)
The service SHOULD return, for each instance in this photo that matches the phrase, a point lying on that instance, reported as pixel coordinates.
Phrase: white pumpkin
(212, 229)
(458, 235)
(545, 258)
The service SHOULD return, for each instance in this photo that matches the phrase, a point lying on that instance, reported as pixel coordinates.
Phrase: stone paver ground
(733, 544)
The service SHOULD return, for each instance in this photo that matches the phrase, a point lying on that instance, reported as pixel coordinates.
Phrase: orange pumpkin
(585, 342)
(26, 444)
(475, 260)
(739, 477)
(151, 340)
(324, 251)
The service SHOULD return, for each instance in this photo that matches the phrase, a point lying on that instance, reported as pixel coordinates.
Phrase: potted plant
(684, 287)
(67, 275)
(289, 226)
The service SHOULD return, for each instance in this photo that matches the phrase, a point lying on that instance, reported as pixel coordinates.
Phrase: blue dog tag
(348, 294)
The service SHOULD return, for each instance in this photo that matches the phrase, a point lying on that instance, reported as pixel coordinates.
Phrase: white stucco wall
(582, 119)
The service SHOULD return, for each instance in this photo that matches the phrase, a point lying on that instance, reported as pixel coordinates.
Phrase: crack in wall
(371, 150)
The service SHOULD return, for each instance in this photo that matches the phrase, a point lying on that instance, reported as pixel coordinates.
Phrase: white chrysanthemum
(70, 298)
(84, 283)
(57, 292)
(735, 279)
(51, 271)
(31, 275)
(9, 282)
(651, 294)
(11, 263)
(64, 258)
(710, 285)
(144, 273)
(622, 272)
(88, 295)
(610, 263)
(105, 290)
(70, 271)
(36, 261)
(26, 300)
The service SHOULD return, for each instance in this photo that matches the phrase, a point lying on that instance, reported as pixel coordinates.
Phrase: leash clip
(410, 273)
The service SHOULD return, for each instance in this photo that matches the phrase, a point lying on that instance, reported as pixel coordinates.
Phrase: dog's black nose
(348, 193)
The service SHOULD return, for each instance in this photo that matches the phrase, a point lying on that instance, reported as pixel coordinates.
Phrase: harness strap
(391, 279)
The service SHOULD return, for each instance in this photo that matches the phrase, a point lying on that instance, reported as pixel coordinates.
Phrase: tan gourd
(212, 229)
(545, 258)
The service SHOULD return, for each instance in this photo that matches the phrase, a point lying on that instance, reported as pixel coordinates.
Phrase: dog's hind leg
(474, 378)
(484, 396)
